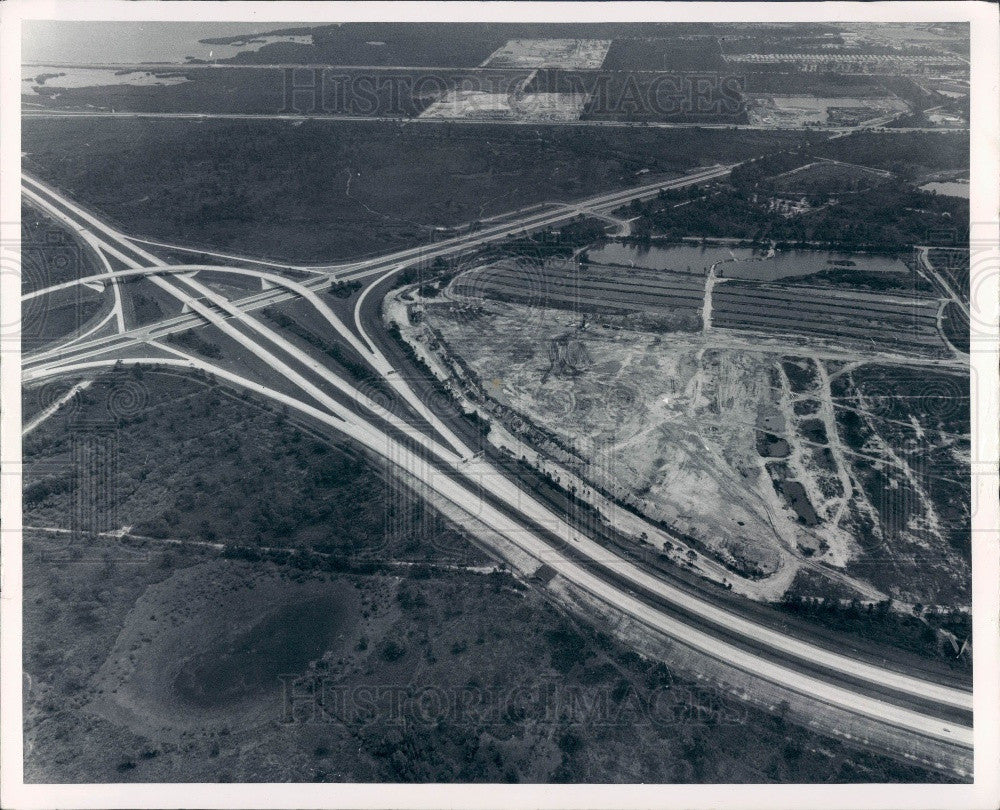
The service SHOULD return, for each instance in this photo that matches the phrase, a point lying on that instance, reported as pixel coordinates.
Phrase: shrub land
(335, 190)
(432, 673)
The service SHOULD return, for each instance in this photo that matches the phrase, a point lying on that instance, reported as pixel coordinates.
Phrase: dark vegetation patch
(927, 633)
(670, 55)
(285, 641)
(194, 340)
(793, 492)
(240, 474)
(956, 327)
(813, 430)
(805, 407)
(489, 703)
(146, 309)
(771, 446)
(50, 254)
(823, 457)
(331, 190)
(890, 217)
(826, 178)
(801, 373)
(795, 495)
(905, 154)
(872, 280)
(881, 403)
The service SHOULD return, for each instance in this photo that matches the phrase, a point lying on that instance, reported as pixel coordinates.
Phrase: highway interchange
(405, 424)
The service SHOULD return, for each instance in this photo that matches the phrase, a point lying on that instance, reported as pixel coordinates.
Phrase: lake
(955, 189)
(61, 42)
(743, 263)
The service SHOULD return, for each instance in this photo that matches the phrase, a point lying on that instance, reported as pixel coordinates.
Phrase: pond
(737, 262)
(797, 498)
(953, 189)
(249, 665)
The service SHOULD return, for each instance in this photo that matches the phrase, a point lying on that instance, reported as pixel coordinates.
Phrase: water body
(956, 189)
(62, 42)
(284, 642)
(89, 77)
(681, 258)
(743, 263)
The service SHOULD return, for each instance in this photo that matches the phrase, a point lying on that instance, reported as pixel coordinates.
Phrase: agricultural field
(570, 54)
(675, 55)
(667, 97)
(762, 82)
(667, 300)
(482, 106)
(906, 324)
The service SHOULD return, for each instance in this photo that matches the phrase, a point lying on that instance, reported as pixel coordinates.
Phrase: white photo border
(984, 792)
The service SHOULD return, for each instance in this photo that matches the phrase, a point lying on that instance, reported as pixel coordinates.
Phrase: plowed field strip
(725, 300)
(558, 298)
(792, 325)
(853, 298)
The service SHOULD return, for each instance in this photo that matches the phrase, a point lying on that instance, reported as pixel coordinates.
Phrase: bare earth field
(796, 111)
(738, 444)
(477, 105)
(578, 54)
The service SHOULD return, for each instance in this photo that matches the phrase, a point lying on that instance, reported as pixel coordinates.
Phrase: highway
(442, 461)
(86, 225)
(839, 132)
(929, 272)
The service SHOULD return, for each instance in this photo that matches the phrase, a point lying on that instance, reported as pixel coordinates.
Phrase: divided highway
(439, 458)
